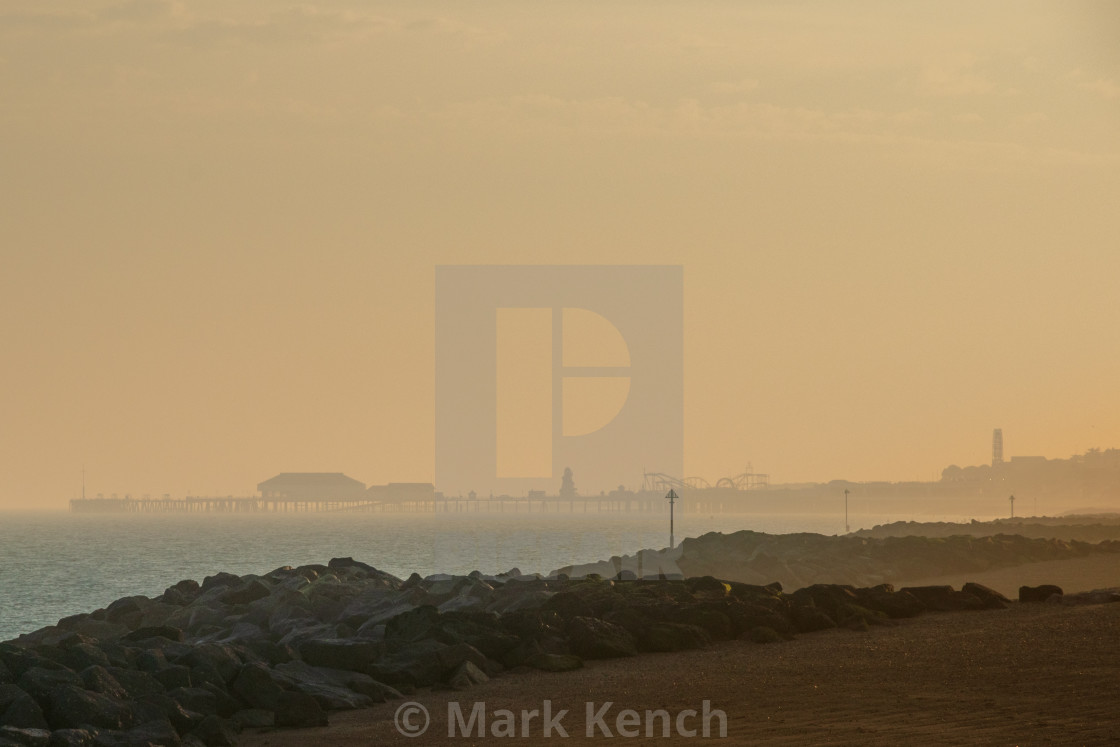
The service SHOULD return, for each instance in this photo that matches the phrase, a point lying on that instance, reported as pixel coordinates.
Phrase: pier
(633, 503)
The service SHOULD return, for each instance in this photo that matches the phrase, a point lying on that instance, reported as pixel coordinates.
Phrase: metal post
(847, 528)
(672, 497)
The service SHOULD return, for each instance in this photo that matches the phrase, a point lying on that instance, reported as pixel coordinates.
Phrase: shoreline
(201, 661)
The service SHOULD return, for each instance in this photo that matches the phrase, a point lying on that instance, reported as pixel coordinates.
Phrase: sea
(53, 565)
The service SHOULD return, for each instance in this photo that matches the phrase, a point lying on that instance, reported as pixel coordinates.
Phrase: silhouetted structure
(312, 486)
(567, 485)
(402, 492)
(997, 446)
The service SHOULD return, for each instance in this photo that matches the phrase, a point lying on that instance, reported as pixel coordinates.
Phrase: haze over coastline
(897, 225)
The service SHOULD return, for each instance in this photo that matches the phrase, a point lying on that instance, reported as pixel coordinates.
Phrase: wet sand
(1032, 674)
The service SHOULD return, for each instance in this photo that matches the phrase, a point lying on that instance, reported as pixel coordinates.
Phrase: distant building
(997, 447)
(312, 486)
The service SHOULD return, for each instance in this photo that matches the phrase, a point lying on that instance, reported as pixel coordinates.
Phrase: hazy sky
(219, 224)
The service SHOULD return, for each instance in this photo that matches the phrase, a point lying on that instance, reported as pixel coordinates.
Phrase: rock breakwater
(797, 560)
(200, 662)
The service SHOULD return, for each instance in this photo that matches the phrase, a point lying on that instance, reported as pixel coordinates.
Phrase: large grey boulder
(1038, 593)
(354, 655)
(22, 711)
(257, 687)
(592, 638)
(297, 709)
(72, 707)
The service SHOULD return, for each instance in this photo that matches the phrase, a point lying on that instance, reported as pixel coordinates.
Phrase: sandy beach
(1032, 674)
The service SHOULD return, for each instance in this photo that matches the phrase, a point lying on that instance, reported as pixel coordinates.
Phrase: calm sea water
(54, 565)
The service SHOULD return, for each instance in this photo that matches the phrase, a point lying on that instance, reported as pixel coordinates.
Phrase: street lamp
(847, 529)
(672, 498)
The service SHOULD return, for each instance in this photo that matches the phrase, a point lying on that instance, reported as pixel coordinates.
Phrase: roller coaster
(748, 480)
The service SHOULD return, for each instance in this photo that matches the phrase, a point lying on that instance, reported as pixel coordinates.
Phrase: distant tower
(567, 485)
(997, 446)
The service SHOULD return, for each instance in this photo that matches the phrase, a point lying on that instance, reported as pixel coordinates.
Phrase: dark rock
(944, 598)
(28, 737)
(296, 709)
(6, 674)
(415, 625)
(990, 598)
(72, 707)
(351, 563)
(416, 664)
(182, 719)
(158, 733)
(555, 662)
(220, 580)
(1100, 596)
(72, 738)
(1038, 593)
(712, 617)
(101, 629)
(174, 676)
(453, 657)
(181, 594)
(80, 655)
(253, 718)
(135, 682)
(18, 660)
(894, 604)
(334, 697)
(248, 592)
(225, 703)
(808, 619)
(24, 712)
(706, 584)
(271, 653)
(298, 673)
(8, 694)
(257, 687)
(155, 631)
(215, 732)
(353, 655)
(99, 680)
(671, 636)
(592, 638)
(762, 634)
(196, 699)
(38, 682)
(118, 655)
(212, 662)
(151, 661)
(467, 675)
(127, 611)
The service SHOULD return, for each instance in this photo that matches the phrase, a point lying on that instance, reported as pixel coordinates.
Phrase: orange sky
(898, 225)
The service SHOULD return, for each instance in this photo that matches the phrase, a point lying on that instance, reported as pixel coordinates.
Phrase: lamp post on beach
(672, 498)
(1012, 499)
(847, 529)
